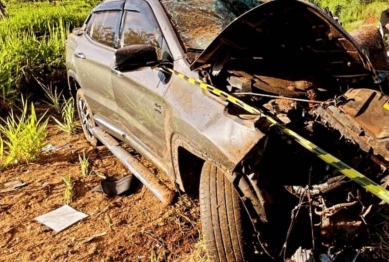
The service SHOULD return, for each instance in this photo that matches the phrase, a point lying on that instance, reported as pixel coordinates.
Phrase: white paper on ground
(61, 218)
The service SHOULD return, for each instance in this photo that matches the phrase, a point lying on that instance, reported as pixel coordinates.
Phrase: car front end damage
(297, 66)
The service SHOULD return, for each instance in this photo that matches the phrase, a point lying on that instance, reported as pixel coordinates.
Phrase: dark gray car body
(155, 118)
(283, 48)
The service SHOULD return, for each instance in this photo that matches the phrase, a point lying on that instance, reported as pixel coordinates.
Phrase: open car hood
(292, 34)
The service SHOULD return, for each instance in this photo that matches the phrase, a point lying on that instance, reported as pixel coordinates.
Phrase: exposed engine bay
(302, 69)
(350, 123)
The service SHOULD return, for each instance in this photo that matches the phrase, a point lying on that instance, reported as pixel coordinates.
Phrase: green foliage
(1, 149)
(84, 164)
(32, 42)
(354, 13)
(69, 189)
(24, 136)
(69, 124)
(53, 95)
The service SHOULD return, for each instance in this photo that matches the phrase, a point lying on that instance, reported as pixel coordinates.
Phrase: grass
(23, 136)
(378, 222)
(354, 13)
(69, 189)
(32, 42)
(199, 253)
(68, 124)
(53, 96)
(1, 149)
(84, 164)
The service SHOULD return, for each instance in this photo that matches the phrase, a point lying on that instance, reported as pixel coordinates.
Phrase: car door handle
(79, 55)
(116, 72)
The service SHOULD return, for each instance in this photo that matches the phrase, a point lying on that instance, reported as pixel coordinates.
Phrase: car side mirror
(134, 57)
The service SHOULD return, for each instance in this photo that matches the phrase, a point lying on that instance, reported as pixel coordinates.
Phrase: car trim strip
(345, 169)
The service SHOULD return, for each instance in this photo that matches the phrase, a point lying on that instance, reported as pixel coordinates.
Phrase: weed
(24, 136)
(159, 252)
(69, 189)
(1, 149)
(68, 116)
(3, 11)
(199, 253)
(84, 164)
(53, 95)
(154, 257)
(379, 232)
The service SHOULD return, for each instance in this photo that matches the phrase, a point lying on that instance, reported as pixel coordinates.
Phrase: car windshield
(198, 22)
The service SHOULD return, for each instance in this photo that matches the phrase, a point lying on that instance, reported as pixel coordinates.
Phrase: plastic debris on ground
(114, 187)
(13, 185)
(61, 218)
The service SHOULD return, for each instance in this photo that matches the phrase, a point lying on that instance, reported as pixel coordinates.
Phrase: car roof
(109, 5)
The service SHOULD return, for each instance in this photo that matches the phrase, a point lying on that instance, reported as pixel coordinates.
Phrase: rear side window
(102, 27)
(137, 29)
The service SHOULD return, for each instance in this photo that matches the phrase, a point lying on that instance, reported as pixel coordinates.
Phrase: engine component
(363, 119)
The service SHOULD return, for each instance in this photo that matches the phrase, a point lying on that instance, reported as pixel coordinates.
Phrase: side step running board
(160, 190)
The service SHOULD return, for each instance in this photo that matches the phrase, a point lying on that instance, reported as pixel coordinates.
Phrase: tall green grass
(354, 13)
(32, 44)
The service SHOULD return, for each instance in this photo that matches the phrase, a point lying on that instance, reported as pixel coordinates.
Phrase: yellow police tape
(351, 173)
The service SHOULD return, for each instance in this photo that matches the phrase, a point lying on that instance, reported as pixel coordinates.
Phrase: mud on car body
(133, 63)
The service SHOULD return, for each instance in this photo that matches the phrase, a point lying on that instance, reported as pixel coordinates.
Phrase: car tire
(86, 117)
(221, 216)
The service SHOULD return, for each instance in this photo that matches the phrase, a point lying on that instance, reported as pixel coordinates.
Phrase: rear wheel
(221, 216)
(86, 117)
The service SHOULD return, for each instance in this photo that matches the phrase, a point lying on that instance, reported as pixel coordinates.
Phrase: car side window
(138, 30)
(102, 27)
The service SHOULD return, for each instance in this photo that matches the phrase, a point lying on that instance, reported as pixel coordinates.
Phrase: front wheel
(86, 117)
(221, 216)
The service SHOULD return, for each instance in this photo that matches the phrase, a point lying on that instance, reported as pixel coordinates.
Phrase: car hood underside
(290, 36)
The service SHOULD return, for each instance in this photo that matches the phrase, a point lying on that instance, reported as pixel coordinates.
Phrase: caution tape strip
(345, 169)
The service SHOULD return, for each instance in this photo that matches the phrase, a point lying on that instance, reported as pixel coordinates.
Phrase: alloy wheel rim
(86, 118)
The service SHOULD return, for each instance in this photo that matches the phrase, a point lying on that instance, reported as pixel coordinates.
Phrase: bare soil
(131, 227)
(135, 226)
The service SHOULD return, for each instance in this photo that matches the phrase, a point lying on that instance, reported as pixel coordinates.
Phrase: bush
(24, 136)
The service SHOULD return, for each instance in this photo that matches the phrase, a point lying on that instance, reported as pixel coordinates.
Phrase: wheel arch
(185, 156)
(188, 160)
(73, 83)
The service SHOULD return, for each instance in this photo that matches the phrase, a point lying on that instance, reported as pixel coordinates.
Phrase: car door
(139, 94)
(93, 58)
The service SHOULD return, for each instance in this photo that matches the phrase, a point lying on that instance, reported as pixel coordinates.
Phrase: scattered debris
(13, 185)
(50, 148)
(61, 218)
(95, 236)
(99, 174)
(114, 187)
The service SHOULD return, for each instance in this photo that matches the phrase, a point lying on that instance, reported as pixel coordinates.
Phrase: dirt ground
(131, 227)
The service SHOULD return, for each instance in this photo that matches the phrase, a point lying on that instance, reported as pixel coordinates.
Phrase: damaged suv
(210, 91)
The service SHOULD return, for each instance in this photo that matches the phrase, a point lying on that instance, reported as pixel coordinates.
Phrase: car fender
(224, 142)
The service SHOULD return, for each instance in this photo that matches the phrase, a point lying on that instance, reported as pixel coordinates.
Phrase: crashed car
(270, 113)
